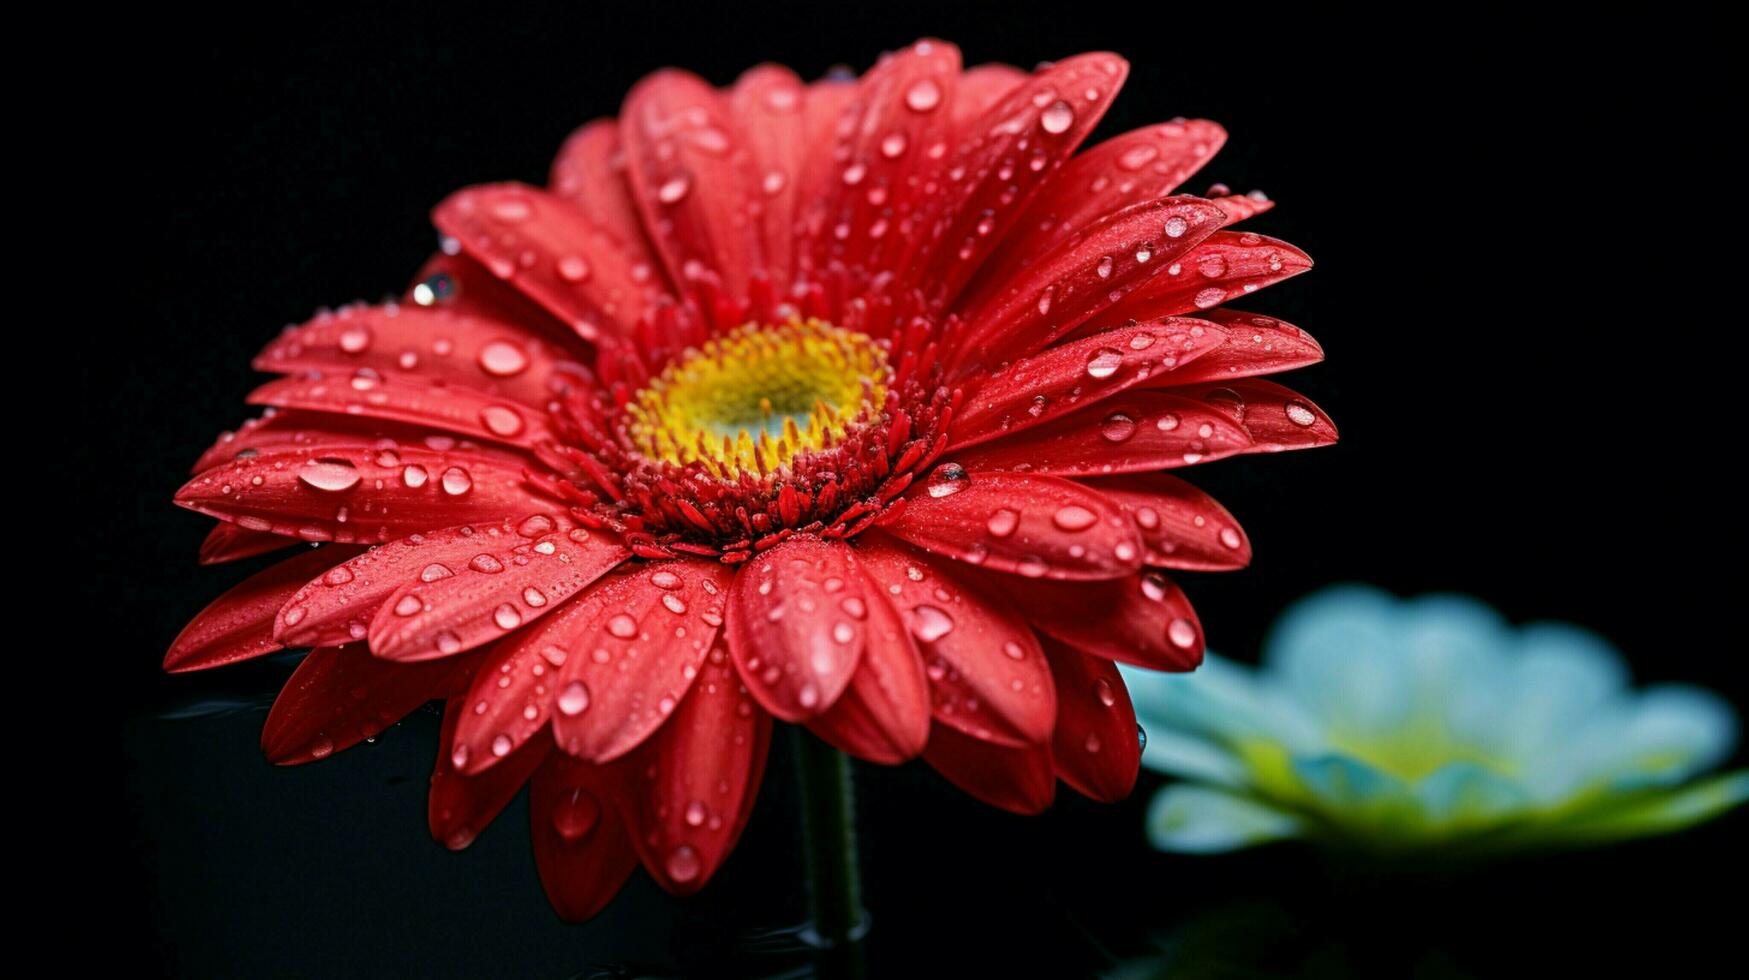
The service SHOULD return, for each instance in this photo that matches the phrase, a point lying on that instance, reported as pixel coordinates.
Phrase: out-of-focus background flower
(1525, 292)
(1429, 728)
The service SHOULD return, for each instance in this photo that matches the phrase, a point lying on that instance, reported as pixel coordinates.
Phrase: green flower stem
(837, 920)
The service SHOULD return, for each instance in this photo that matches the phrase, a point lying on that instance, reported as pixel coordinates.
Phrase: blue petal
(1221, 701)
(1337, 653)
(1655, 812)
(1189, 757)
(1465, 795)
(1354, 792)
(1201, 820)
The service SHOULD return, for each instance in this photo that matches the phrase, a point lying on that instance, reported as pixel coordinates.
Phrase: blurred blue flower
(1395, 725)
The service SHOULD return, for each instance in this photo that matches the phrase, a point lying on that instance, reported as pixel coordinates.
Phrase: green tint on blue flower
(1395, 725)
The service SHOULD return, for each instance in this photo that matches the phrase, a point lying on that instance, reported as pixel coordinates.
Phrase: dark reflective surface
(1521, 291)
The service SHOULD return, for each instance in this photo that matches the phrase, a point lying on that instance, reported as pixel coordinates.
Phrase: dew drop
(575, 816)
(683, 864)
(948, 479)
(1117, 428)
(501, 420)
(1074, 518)
(503, 359)
(1299, 414)
(931, 624)
(574, 699)
(330, 475)
(673, 189)
(1003, 522)
(414, 476)
(623, 626)
(923, 95)
(457, 481)
(1182, 633)
(1104, 362)
(1058, 118)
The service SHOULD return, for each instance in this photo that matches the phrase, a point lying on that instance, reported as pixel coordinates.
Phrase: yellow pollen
(754, 398)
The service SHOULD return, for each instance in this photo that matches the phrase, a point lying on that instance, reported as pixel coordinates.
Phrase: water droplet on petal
(1074, 518)
(1117, 428)
(623, 626)
(457, 481)
(506, 617)
(683, 864)
(1003, 522)
(574, 699)
(673, 189)
(1058, 118)
(923, 95)
(1104, 362)
(930, 624)
(503, 359)
(948, 479)
(1300, 414)
(330, 475)
(1182, 633)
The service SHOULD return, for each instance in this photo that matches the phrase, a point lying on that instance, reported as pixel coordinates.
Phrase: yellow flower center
(756, 397)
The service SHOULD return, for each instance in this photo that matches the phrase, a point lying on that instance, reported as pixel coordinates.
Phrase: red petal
(792, 625)
(1276, 418)
(1035, 526)
(1144, 619)
(768, 104)
(590, 174)
(1254, 345)
(990, 178)
(1094, 747)
(1134, 431)
(448, 407)
(293, 429)
(340, 697)
(1019, 780)
(1054, 382)
(461, 285)
(396, 492)
(1140, 165)
(337, 608)
(1181, 526)
(631, 647)
(228, 542)
(694, 783)
(883, 715)
(1022, 310)
(459, 806)
(429, 346)
(550, 252)
(496, 592)
(988, 677)
(1228, 265)
(239, 624)
(1239, 207)
(979, 88)
(886, 150)
(582, 845)
(692, 179)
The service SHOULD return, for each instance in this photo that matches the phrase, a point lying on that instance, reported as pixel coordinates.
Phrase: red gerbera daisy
(843, 403)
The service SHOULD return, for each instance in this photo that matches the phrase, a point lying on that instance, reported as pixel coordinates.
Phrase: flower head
(1392, 726)
(839, 403)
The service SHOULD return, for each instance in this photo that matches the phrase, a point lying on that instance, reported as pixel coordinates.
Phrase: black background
(1524, 288)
